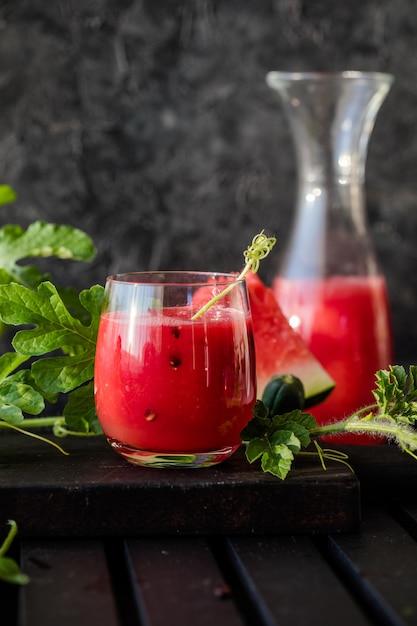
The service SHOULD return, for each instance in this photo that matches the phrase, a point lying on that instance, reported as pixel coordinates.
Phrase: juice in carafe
(345, 322)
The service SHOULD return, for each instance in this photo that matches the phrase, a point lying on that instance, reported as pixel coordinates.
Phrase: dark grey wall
(148, 124)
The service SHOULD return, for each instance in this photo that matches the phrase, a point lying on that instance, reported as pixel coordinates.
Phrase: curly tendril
(260, 247)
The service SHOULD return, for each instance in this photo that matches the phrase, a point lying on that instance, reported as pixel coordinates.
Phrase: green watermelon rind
(317, 383)
(316, 398)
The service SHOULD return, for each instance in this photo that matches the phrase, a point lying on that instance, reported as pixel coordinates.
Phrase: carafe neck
(331, 117)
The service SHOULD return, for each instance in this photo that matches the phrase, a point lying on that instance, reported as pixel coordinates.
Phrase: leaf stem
(61, 431)
(35, 422)
(405, 436)
(9, 539)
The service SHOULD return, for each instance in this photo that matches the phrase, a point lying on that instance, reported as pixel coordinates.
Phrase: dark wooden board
(383, 470)
(93, 492)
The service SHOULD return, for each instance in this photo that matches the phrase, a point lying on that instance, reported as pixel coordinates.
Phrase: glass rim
(195, 278)
(330, 75)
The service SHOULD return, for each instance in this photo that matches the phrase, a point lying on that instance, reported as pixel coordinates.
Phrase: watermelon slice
(280, 349)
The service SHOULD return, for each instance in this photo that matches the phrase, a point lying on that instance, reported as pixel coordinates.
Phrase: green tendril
(260, 247)
(328, 454)
(35, 436)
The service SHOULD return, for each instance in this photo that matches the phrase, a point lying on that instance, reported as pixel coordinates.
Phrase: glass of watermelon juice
(171, 391)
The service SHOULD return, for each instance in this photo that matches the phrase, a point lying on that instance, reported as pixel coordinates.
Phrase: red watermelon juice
(167, 385)
(345, 322)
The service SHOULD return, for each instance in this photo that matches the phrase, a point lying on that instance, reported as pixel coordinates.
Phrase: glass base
(146, 458)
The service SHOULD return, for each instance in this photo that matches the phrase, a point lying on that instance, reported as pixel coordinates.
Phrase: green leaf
(276, 439)
(256, 448)
(66, 345)
(412, 383)
(27, 275)
(10, 572)
(80, 411)
(278, 462)
(9, 569)
(7, 195)
(396, 394)
(399, 374)
(9, 362)
(259, 424)
(385, 391)
(296, 422)
(286, 438)
(254, 428)
(54, 325)
(16, 391)
(26, 376)
(261, 412)
(41, 239)
(63, 374)
(300, 432)
(11, 414)
(68, 372)
(60, 325)
(20, 395)
(303, 419)
(275, 451)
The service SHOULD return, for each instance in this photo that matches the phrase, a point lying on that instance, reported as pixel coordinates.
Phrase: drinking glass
(171, 390)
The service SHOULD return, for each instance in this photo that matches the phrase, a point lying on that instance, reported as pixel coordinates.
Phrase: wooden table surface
(125, 546)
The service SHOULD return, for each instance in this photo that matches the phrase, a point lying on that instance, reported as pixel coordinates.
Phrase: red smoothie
(346, 324)
(164, 383)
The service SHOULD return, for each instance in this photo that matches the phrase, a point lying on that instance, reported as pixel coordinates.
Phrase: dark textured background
(148, 124)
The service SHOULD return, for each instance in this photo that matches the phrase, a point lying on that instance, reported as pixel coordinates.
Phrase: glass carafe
(329, 284)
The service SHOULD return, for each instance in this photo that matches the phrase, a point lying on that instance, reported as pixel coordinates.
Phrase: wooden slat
(115, 498)
(179, 582)
(381, 565)
(291, 584)
(69, 584)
